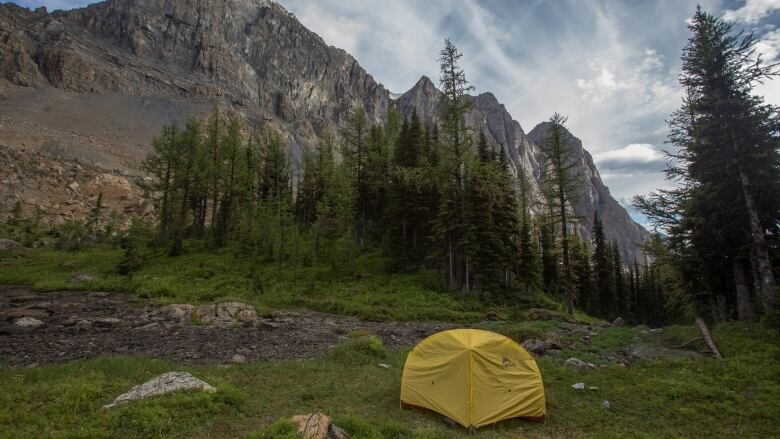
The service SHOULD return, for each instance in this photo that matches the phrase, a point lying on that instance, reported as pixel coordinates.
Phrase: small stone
(238, 359)
(84, 325)
(605, 405)
(578, 386)
(74, 187)
(148, 327)
(383, 365)
(28, 322)
(576, 363)
(619, 322)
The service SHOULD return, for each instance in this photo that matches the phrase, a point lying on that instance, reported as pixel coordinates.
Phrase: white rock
(238, 359)
(605, 405)
(383, 366)
(578, 386)
(166, 383)
(28, 322)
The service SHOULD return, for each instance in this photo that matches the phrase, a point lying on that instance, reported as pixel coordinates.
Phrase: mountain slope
(96, 84)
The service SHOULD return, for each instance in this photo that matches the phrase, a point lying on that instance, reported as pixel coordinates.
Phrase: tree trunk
(744, 308)
(757, 238)
(708, 337)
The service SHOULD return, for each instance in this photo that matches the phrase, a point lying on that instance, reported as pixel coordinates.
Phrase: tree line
(429, 195)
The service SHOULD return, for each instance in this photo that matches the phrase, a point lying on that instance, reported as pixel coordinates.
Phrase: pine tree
(355, 156)
(562, 178)
(450, 225)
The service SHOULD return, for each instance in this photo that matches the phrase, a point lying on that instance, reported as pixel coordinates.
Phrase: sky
(610, 65)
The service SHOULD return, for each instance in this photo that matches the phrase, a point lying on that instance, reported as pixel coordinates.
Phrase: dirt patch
(81, 324)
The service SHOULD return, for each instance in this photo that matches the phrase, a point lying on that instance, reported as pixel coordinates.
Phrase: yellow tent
(474, 377)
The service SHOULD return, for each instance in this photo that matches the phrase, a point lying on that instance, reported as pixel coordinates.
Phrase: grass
(735, 397)
(362, 288)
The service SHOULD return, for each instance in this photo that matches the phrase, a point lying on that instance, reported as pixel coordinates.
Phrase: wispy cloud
(752, 11)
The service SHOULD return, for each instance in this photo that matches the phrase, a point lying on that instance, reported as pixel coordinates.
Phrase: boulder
(166, 383)
(28, 322)
(236, 312)
(576, 363)
(318, 426)
(541, 346)
(578, 386)
(619, 322)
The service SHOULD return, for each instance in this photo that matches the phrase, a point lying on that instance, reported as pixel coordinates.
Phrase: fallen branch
(705, 332)
(686, 343)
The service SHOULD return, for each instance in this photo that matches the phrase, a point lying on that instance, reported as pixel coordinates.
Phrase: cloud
(752, 12)
(636, 157)
(769, 45)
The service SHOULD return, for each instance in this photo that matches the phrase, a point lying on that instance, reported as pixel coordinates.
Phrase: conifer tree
(724, 214)
(450, 225)
(607, 303)
(560, 172)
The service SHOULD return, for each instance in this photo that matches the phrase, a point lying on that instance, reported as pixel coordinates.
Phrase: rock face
(166, 383)
(136, 64)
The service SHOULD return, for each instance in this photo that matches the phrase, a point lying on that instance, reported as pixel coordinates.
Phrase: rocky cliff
(95, 84)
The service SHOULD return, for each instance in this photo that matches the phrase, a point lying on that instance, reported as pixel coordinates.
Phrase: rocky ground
(45, 327)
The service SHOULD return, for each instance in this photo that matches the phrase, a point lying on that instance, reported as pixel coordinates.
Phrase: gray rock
(11, 245)
(578, 386)
(84, 325)
(178, 313)
(605, 405)
(656, 330)
(540, 347)
(576, 363)
(238, 359)
(81, 278)
(28, 322)
(383, 365)
(649, 352)
(619, 322)
(166, 383)
(154, 326)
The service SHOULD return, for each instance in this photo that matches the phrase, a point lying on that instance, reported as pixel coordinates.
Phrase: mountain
(86, 90)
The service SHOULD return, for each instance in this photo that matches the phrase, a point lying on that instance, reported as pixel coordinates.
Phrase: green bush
(360, 348)
(281, 429)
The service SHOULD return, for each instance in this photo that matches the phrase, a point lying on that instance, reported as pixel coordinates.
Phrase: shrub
(136, 246)
(72, 235)
(360, 348)
(281, 429)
